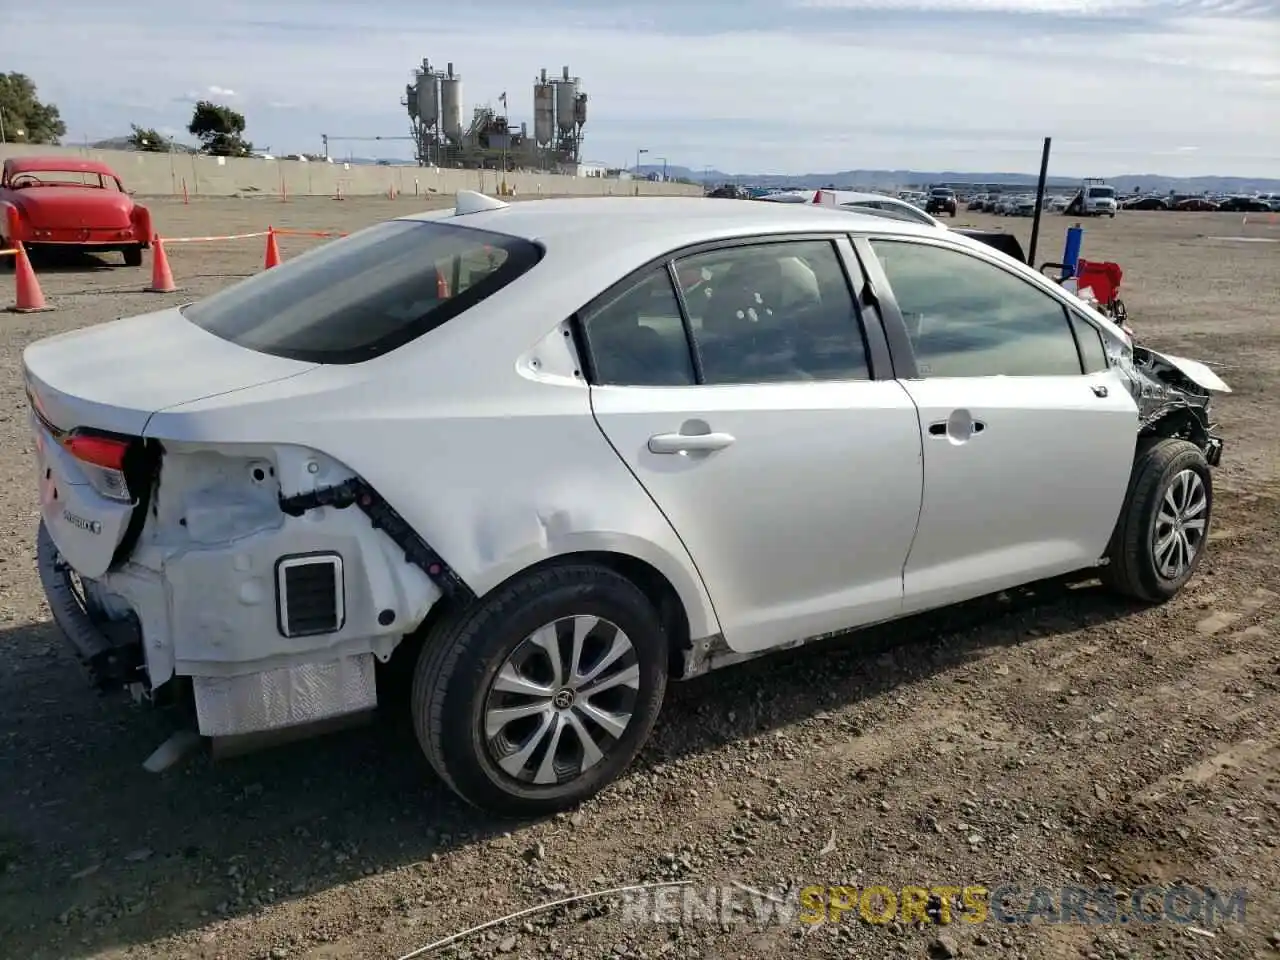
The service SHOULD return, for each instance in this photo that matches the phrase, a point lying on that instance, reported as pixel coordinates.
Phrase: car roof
(57, 164)
(663, 223)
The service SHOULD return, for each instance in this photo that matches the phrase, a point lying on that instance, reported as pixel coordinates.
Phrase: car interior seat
(747, 334)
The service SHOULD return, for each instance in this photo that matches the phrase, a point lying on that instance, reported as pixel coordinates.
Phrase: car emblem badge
(90, 526)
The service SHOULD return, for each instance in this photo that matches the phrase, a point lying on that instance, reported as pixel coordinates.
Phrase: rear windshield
(366, 294)
(1102, 192)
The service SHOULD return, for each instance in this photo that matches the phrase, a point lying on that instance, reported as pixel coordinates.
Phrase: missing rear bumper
(111, 650)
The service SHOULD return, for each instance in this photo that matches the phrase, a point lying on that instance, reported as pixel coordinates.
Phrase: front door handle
(940, 428)
(1099, 391)
(688, 442)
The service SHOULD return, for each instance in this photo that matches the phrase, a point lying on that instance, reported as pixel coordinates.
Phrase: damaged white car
(555, 454)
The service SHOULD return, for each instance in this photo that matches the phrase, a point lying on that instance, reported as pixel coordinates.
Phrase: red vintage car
(70, 203)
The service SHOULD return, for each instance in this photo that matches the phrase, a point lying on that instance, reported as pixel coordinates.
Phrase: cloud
(802, 85)
(211, 92)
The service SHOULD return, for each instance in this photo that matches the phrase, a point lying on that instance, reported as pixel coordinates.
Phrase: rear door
(754, 403)
(1028, 436)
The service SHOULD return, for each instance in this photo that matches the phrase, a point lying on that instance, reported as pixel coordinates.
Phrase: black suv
(941, 200)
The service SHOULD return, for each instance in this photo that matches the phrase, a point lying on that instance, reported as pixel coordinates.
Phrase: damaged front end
(1173, 396)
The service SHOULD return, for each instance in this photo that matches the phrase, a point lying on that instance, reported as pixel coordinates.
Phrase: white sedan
(544, 457)
(858, 201)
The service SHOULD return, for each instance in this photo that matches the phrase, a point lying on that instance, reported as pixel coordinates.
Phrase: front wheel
(544, 692)
(1163, 528)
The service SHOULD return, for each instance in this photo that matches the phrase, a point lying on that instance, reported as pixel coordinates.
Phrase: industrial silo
(566, 95)
(544, 111)
(450, 105)
(580, 110)
(428, 98)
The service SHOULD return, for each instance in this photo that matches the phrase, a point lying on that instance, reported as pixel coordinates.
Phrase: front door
(1028, 437)
(791, 475)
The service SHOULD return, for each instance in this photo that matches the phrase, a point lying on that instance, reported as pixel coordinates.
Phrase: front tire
(542, 693)
(1163, 529)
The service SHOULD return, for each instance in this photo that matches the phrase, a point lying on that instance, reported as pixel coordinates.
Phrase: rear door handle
(688, 442)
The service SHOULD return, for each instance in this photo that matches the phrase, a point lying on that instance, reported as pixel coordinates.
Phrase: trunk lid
(114, 376)
(108, 381)
(73, 207)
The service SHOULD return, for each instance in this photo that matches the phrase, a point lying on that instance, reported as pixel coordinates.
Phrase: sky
(1175, 87)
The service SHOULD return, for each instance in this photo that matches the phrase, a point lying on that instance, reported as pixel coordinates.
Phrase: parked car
(1196, 204)
(875, 203)
(942, 200)
(977, 202)
(1146, 203)
(70, 204)
(891, 207)
(1244, 205)
(604, 444)
(1023, 207)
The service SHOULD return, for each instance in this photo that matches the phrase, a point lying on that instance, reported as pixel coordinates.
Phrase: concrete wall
(163, 174)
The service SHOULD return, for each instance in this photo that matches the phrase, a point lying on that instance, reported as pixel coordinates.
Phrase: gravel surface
(1055, 736)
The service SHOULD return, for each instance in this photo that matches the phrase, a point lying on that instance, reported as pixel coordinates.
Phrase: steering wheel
(25, 180)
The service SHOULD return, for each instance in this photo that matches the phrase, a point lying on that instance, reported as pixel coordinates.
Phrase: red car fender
(12, 221)
(141, 218)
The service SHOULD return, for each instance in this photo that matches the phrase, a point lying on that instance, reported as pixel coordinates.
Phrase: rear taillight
(102, 461)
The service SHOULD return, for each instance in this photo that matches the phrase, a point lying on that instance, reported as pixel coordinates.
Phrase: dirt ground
(1057, 737)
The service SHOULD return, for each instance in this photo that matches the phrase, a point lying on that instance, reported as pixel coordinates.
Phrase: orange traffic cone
(29, 297)
(273, 250)
(161, 275)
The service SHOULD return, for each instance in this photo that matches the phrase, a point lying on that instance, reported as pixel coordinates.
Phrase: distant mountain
(888, 179)
(122, 143)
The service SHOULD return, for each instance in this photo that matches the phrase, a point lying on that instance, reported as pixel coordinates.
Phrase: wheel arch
(685, 614)
(1182, 423)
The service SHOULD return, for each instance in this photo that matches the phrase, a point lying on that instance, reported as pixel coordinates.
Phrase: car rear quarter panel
(480, 435)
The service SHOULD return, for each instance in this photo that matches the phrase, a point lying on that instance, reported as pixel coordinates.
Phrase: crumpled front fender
(1195, 371)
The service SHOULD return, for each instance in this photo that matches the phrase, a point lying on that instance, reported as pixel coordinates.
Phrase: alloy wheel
(561, 700)
(1180, 525)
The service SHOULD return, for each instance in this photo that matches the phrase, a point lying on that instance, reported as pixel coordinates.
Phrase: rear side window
(367, 294)
(637, 337)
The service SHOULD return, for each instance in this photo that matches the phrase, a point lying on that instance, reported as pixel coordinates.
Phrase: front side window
(366, 294)
(773, 312)
(970, 318)
(1093, 352)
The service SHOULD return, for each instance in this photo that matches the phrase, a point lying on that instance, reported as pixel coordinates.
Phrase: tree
(219, 129)
(148, 140)
(23, 116)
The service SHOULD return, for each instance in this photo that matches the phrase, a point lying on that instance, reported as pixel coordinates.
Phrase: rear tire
(526, 673)
(133, 256)
(1163, 529)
